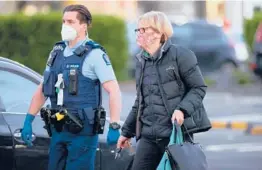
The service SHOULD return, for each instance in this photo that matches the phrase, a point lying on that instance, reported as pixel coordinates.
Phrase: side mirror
(18, 136)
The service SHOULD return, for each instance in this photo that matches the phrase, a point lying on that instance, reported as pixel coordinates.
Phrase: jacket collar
(163, 49)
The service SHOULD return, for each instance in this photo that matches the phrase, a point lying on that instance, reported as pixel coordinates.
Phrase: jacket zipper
(153, 127)
(159, 86)
(164, 99)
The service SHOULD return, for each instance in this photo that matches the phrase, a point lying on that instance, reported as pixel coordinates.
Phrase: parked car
(212, 47)
(17, 85)
(256, 60)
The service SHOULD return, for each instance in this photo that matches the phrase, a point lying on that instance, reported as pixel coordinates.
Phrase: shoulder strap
(94, 45)
(89, 45)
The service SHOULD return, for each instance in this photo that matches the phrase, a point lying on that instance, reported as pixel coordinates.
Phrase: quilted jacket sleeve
(192, 77)
(129, 127)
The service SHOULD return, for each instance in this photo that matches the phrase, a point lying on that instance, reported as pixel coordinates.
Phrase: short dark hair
(84, 16)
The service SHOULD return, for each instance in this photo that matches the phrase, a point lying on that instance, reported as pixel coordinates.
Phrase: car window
(16, 91)
(209, 35)
(204, 33)
(182, 35)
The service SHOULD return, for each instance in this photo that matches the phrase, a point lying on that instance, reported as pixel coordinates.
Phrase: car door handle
(18, 136)
(20, 146)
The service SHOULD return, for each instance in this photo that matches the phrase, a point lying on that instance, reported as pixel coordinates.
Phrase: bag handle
(190, 137)
(176, 135)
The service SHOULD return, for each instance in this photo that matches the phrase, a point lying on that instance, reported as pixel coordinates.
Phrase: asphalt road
(231, 150)
(225, 149)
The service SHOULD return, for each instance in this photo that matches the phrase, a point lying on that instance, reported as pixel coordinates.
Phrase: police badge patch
(72, 66)
(106, 59)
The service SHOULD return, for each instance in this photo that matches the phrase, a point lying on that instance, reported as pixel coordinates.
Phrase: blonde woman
(170, 87)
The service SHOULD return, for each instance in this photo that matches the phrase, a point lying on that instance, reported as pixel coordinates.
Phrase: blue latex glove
(27, 129)
(112, 136)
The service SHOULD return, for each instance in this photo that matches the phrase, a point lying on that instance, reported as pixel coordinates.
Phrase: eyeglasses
(141, 30)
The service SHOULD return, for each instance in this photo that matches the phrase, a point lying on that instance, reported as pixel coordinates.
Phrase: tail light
(252, 66)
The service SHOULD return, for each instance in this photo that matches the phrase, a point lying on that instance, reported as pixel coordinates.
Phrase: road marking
(237, 147)
(219, 124)
(256, 130)
(228, 98)
(250, 123)
(215, 95)
(239, 125)
(250, 100)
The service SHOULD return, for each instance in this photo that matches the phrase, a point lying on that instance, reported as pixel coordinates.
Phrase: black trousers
(149, 153)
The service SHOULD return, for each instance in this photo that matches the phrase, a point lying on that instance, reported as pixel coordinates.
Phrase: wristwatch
(115, 125)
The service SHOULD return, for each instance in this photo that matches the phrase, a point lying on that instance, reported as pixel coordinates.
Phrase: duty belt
(61, 118)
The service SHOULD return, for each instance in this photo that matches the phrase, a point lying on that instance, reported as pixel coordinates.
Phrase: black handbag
(185, 155)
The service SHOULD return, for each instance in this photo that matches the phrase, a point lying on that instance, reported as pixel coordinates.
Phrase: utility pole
(149, 5)
(200, 9)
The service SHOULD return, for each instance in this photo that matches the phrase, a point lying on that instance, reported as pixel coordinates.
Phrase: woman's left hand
(178, 116)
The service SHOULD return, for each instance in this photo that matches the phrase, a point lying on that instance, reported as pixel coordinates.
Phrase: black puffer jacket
(179, 86)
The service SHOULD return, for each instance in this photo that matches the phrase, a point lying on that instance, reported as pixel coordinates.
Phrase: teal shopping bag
(175, 138)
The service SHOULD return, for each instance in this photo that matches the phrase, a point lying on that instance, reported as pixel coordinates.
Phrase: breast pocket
(49, 83)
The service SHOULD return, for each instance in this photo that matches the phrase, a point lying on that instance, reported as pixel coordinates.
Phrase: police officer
(76, 68)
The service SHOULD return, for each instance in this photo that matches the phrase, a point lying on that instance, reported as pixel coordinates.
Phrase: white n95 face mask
(68, 33)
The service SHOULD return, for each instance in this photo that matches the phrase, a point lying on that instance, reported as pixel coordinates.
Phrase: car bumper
(258, 71)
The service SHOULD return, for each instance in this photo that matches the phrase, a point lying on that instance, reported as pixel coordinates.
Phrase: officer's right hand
(122, 142)
(27, 130)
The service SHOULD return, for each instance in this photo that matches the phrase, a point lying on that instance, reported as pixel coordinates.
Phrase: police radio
(73, 81)
(100, 120)
(100, 116)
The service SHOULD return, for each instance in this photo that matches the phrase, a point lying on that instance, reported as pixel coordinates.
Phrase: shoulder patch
(59, 46)
(106, 59)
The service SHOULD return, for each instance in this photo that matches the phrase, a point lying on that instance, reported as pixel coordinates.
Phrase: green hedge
(250, 27)
(29, 39)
